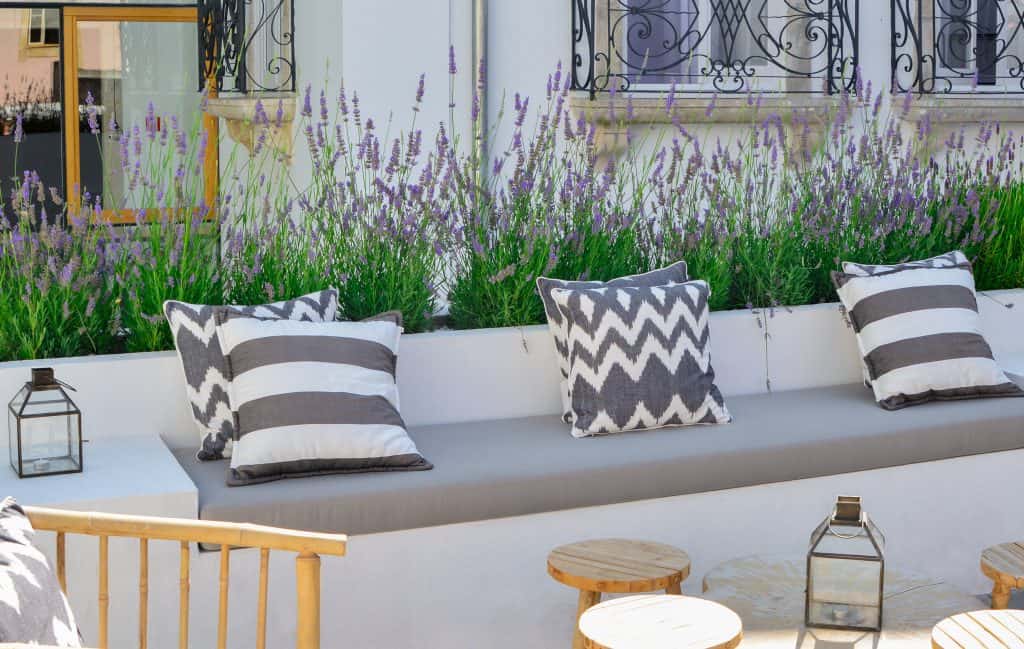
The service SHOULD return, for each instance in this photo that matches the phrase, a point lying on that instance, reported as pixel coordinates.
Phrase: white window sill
(968, 108)
(729, 109)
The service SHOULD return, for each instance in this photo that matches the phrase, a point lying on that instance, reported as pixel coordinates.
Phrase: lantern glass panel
(44, 430)
(12, 426)
(844, 592)
(848, 540)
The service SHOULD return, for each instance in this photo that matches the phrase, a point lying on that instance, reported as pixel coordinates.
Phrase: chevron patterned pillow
(194, 328)
(34, 610)
(640, 357)
(559, 326)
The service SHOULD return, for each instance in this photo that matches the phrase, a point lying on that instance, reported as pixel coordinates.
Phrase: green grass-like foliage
(399, 219)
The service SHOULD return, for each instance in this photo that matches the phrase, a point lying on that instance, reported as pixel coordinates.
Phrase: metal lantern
(44, 428)
(845, 570)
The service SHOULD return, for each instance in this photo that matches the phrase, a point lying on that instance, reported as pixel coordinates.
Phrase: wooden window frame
(72, 16)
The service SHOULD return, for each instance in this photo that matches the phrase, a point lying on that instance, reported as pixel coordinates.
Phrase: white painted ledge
(453, 376)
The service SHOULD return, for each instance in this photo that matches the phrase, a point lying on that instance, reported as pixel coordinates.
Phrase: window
(714, 45)
(44, 27)
(669, 40)
(967, 38)
(958, 46)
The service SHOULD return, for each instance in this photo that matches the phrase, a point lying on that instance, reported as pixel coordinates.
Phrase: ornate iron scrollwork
(956, 46)
(247, 45)
(723, 46)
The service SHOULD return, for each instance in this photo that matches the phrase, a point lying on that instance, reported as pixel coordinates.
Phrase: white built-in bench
(449, 556)
(511, 467)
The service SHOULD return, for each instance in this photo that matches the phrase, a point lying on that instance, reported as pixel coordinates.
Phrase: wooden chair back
(308, 546)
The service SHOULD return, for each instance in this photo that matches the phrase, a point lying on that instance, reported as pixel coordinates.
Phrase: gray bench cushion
(492, 469)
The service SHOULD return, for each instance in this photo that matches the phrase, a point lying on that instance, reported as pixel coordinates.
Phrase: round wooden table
(660, 622)
(1004, 565)
(616, 566)
(767, 592)
(980, 630)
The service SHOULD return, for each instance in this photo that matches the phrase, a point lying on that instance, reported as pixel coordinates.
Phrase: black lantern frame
(43, 380)
(847, 513)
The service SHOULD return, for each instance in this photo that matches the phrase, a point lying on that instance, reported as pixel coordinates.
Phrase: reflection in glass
(124, 67)
(30, 96)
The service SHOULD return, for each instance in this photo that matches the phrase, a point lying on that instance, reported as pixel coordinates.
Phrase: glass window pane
(125, 66)
(30, 108)
(51, 23)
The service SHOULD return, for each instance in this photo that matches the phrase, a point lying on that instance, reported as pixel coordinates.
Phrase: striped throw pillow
(312, 398)
(194, 327)
(919, 331)
(559, 325)
(948, 260)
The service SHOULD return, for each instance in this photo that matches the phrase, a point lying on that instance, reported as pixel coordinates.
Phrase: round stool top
(618, 565)
(980, 630)
(660, 622)
(1004, 564)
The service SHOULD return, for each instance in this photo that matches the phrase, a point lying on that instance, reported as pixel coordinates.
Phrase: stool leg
(675, 589)
(1000, 596)
(588, 598)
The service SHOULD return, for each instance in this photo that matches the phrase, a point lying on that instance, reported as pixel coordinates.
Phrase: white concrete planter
(484, 581)
(449, 376)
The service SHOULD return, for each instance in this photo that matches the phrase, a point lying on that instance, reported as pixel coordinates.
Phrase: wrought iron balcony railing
(725, 46)
(247, 46)
(958, 46)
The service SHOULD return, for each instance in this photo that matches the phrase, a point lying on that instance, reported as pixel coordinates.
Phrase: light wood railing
(308, 545)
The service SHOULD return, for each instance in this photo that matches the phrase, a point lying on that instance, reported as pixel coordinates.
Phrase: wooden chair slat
(261, 611)
(62, 562)
(104, 588)
(307, 578)
(183, 600)
(143, 593)
(222, 618)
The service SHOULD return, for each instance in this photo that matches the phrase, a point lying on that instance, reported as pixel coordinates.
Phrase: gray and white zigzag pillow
(640, 357)
(559, 326)
(194, 328)
(33, 609)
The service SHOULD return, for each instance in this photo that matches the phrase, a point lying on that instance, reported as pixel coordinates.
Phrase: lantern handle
(831, 519)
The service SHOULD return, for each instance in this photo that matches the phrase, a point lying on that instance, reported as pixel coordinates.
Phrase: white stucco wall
(380, 49)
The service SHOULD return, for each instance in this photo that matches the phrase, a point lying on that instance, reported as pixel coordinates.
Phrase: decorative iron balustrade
(247, 45)
(725, 46)
(958, 46)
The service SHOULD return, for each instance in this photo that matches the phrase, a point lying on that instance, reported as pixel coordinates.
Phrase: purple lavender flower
(307, 102)
(92, 114)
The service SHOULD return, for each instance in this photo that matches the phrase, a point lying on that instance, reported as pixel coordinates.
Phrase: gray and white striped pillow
(559, 326)
(312, 398)
(919, 331)
(194, 327)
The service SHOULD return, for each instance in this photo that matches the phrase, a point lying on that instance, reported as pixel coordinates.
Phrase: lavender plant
(57, 291)
(401, 220)
(557, 214)
(168, 250)
(376, 211)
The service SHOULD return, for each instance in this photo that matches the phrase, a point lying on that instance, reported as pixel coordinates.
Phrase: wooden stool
(660, 622)
(616, 566)
(980, 630)
(1004, 565)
